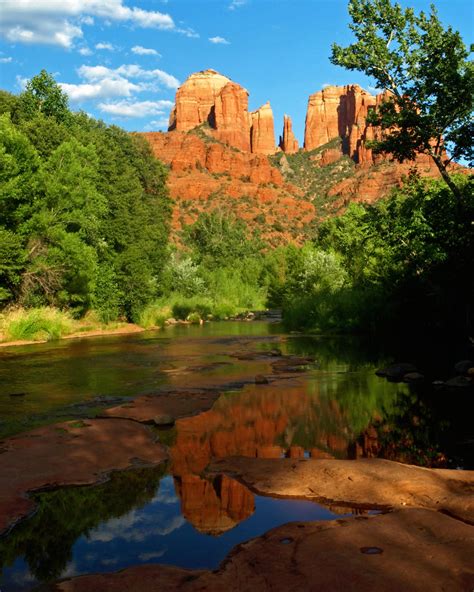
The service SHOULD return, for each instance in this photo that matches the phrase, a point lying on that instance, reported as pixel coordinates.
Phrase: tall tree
(429, 79)
(43, 94)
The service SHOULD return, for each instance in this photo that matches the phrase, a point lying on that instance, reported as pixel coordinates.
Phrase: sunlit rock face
(262, 130)
(341, 112)
(210, 98)
(195, 100)
(231, 116)
(338, 111)
(288, 141)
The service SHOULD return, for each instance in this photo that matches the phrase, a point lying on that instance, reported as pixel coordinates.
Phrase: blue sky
(122, 60)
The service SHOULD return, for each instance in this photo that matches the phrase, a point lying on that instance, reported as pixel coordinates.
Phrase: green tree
(43, 94)
(429, 79)
(219, 239)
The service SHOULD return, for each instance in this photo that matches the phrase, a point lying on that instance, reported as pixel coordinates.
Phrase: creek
(332, 406)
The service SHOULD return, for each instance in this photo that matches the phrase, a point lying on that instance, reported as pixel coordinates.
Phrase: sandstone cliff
(262, 130)
(210, 98)
(195, 100)
(288, 141)
(231, 118)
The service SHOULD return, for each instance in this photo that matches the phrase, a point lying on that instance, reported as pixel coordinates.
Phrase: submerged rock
(459, 382)
(413, 377)
(396, 372)
(163, 420)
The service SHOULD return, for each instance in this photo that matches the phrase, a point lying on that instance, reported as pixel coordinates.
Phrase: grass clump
(154, 315)
(37, 324)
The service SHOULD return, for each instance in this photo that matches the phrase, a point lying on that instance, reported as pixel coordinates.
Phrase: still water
(336, 408)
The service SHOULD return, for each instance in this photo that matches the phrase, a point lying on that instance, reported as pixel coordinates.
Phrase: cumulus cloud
(6, 60)
(128, 71)
(101, 82)
(135, 108)
(102, 89)
(188, 32)
(85, 51)
(139, 50)
(107, 46)
(59, 22)
(217, 39)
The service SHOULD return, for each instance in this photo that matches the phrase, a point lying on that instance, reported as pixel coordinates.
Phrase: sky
(122, 60)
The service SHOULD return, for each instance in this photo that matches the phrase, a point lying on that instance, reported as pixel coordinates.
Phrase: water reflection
(104, 532)
(172, 514)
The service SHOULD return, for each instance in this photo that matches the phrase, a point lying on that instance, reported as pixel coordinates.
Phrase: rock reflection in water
(102, 529)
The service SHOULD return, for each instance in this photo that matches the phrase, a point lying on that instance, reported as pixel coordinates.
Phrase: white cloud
(58, 22)
(236, 4)
(135, 527)
(107, 46)
(130, 71)
(139, 50)
(102, 89)
(135, 108)
(6, 60)
(101, 82)
(218, 39)
(21, 82)
(85, 51)
(158, 124)
(56, 32)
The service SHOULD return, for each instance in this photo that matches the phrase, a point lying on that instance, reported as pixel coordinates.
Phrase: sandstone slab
(363, 483)
(70, 453)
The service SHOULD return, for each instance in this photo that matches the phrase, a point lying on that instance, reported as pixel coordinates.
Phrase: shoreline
(125, 330)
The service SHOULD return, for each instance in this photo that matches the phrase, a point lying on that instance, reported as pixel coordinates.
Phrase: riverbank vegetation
(84, 209)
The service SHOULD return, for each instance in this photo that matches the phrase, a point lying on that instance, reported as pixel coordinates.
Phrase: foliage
(42, 94)
(217, 238)
(45, 540)
(84, 209)
(404, 262)
(37, 324)
(427, 74)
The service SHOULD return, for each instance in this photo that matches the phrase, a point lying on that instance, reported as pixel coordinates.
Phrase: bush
(154, 315)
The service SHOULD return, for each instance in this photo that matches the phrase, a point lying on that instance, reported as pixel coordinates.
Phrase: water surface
(336, 408)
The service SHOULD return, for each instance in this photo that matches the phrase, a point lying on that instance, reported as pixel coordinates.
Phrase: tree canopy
(84, 208)
(428, 77)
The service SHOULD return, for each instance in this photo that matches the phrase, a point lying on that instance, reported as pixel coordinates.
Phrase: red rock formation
(288, 141)
(209, 97)
(262, 130)
(333, 112)
(185, 152)
(195, 100)
(231, 117)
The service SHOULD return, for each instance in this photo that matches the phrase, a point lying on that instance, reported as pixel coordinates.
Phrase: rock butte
(218, 152)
